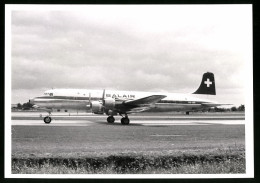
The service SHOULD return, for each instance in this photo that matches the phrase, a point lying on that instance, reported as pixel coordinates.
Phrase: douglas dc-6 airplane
(123, 103)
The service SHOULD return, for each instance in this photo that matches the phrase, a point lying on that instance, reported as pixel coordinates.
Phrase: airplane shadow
(130, 124)
(116, 124)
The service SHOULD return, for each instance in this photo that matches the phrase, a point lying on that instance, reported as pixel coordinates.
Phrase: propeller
(102, 102)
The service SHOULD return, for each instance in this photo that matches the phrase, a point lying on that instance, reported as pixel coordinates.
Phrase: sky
(155, 48)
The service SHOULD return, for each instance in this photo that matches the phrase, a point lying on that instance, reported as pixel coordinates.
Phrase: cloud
(115, 48)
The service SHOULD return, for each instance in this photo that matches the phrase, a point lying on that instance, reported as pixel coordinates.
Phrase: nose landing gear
(47, 119)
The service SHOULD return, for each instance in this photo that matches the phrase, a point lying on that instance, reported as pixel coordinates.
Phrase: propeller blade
(103, 100)
(103, 96)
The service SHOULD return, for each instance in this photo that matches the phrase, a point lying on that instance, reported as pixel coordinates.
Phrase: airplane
(123, 103)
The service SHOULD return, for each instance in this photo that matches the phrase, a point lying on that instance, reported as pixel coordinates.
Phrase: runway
(138, 122)
(89, 135)
(86, 119)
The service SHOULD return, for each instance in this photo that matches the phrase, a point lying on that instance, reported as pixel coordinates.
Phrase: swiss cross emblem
(208, 82)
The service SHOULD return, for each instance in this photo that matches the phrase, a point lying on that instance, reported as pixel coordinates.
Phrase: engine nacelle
(97, 107)
(109, 103)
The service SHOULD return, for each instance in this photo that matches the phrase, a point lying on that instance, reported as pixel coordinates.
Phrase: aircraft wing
(139, 105)
(137, 109)
(144, 101)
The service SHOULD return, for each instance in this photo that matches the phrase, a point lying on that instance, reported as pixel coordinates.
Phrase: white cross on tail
(208, 82)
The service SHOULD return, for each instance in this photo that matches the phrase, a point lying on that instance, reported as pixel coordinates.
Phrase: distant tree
(241, 108)
(19, 106)
(27, 106)
(222, 109)
(233, 109)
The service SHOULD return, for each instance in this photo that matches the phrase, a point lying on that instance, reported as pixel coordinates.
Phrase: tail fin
(207, 85)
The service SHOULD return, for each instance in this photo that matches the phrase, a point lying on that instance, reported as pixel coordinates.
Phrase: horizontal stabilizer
(213, 104)
(146, 100)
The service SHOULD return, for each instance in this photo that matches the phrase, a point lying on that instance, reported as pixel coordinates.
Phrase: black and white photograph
(129, 91)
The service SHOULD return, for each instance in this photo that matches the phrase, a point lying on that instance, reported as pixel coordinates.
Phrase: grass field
(117, 149)
(219, 162)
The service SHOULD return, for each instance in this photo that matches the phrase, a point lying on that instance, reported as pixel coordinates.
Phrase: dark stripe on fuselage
(179, 102)
(96, 99)
(69, 98)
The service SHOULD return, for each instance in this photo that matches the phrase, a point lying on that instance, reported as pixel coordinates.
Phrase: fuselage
(80, 99)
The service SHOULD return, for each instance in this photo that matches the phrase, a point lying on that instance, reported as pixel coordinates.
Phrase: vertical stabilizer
(207, 85)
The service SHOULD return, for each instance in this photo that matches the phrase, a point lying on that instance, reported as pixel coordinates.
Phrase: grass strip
(131, 164)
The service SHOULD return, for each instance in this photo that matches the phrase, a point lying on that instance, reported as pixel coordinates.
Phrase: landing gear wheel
(187, 113)
(110, 119)
(125, 121)
(47, 119)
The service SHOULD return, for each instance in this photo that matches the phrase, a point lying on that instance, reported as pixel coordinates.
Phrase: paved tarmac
(90, 134)
(151, 122)
(87, 119)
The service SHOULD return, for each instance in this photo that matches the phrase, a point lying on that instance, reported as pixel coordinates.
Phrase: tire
(125, 121)
(47, 120)
(110, 119)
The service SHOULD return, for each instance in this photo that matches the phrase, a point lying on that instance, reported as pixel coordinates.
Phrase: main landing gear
(124, 121)
(110, 119)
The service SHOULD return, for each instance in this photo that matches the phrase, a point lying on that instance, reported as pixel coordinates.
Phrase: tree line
(24, 106)
(233, 109)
